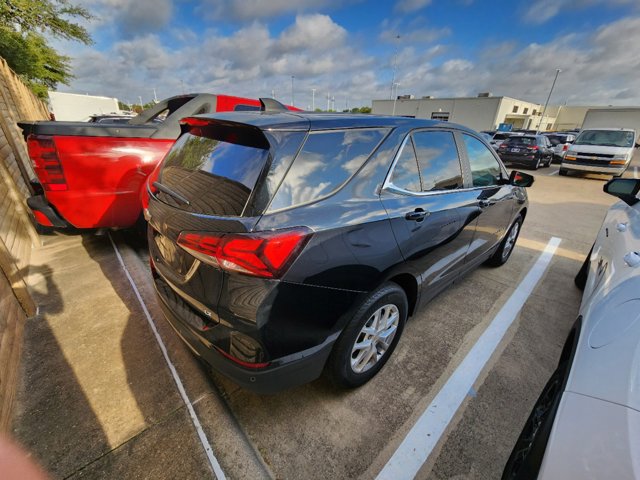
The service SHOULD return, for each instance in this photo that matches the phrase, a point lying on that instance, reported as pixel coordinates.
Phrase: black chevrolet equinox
(287, 243)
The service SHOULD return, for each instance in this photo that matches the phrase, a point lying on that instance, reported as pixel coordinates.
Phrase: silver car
(586, 423)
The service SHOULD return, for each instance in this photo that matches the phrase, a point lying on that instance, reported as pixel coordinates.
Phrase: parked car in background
(560, 143)
(600, 150)
(498, 138)
(533, 151)
(110, 118)
(586, 422)
(91, 175)
(254, 217)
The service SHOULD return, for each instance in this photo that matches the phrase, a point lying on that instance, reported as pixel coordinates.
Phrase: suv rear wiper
(171, 193)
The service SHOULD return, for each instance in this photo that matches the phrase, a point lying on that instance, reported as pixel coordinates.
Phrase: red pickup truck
(91, 175)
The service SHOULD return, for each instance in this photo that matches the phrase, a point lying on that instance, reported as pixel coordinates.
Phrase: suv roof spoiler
(271, 105)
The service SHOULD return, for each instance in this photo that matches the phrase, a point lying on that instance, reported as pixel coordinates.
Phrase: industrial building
(485, 112)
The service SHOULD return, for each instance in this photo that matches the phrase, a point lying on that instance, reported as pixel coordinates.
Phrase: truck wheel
(369, 339)
(562, 172)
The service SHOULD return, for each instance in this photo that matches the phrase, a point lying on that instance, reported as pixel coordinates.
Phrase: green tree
(24, 25)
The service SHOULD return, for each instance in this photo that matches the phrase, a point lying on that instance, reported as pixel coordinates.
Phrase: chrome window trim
(388, 186)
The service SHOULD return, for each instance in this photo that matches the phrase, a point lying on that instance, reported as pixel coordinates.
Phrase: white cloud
(540, 11)
(408, 6)
(243, 10)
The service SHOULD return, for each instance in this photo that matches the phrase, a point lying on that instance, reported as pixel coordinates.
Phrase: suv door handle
(417, 215)
(486, 203)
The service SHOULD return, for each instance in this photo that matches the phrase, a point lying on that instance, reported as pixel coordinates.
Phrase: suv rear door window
(485, 169)
(326, 161)
(438, 161)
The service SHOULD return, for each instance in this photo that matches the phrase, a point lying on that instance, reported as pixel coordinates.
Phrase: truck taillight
(264, 254)
(46, 163)
(565, 147)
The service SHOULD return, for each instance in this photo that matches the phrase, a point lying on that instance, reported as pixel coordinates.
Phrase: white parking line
(635, 172)
(213, 461)
(423, 437)
(553, 173)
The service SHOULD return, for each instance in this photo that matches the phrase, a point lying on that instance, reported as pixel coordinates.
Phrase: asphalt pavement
(109, 391)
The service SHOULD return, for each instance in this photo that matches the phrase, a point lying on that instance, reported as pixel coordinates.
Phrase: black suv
(285, 243)
(531, 151)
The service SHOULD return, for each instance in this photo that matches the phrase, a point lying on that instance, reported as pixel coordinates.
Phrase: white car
(560, 143)
(586, 423)
(600, 150)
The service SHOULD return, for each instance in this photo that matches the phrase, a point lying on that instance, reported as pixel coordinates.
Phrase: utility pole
(544, 110)
(328, 101)
(155, 98)
(273, 93)
(140, 98)
(313, 99)
(292, 98)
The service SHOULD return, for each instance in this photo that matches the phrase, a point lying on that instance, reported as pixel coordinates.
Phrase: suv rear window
(327, 160)
(517, 140)
(216, 177)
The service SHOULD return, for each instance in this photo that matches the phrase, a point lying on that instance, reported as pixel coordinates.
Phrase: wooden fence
(17, 235)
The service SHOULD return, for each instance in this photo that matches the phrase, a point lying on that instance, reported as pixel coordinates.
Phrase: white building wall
(475, 113)
(75, 107)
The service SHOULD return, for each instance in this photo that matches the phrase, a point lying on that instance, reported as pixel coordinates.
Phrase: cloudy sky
(348, 49)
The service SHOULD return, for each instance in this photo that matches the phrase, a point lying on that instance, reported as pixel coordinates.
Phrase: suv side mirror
(520, 179)
(626, 189)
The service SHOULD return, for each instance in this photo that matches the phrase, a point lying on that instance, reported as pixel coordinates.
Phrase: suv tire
(384, 312)
(502, 254)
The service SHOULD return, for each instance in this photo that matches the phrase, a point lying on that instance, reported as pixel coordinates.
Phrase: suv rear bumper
(291, 371)
(44, 214)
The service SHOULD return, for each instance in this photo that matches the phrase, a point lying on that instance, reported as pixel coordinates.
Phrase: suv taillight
(264, 254)
(46, 163)
(565, 147)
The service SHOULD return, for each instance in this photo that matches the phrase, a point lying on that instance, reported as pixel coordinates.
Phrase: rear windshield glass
(521, 141)
(216, 177)
(556, 139)
(326, 161)
(500, 136)
(606, 138)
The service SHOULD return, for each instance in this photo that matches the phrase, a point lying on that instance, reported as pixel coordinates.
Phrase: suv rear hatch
(209, 194)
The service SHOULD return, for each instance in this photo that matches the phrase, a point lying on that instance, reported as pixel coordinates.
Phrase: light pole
(313, 99)
(544, 110)
(292, 101)
(155, 98)
(141, 107)
(395, 64)
(395, 97)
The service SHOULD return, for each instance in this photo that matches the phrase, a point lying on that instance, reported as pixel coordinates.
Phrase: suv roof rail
(271, 105)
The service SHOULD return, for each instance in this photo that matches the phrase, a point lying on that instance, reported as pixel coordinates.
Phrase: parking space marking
(423, 437)
(213, 461)
(635, 172)
(553, 173)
